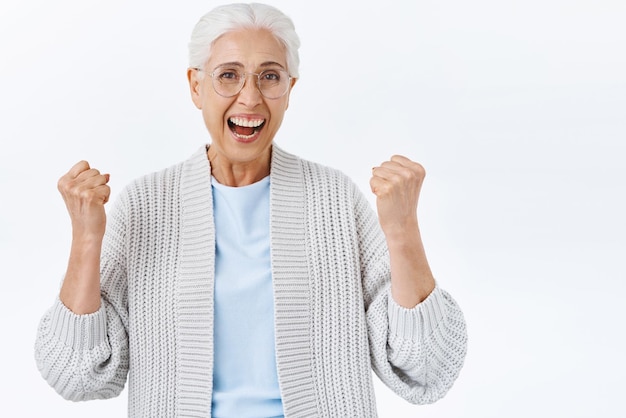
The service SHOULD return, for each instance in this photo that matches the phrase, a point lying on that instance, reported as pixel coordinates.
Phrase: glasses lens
(227, 81)
(273, 83)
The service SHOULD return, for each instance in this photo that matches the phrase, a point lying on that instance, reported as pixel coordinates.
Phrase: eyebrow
(272, 64)
(263, 65)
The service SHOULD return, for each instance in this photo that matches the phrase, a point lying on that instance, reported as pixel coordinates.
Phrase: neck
(238, 173)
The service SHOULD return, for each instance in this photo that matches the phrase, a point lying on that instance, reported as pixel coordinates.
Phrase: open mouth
(245, 128)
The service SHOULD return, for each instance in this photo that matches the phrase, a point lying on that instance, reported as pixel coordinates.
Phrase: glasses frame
(244, 78)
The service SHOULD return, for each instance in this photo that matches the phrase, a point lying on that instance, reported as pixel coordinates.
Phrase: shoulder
(313, 173)
(155, 184)
(323, 189)
(164, 184)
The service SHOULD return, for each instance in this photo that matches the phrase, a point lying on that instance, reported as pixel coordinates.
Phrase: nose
(250, 95)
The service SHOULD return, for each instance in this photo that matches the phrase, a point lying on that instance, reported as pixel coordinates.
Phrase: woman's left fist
(397, 184)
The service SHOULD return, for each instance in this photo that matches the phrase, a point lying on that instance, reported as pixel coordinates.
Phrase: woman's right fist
(85, 191)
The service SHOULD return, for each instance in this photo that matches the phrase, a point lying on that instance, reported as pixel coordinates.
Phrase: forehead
(250, 47)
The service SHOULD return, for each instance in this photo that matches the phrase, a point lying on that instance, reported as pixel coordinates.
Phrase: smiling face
(243, 126)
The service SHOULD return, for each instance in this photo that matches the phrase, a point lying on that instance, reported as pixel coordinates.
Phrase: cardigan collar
(194, 288)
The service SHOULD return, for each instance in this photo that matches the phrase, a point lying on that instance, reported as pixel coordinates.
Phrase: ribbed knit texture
(334, 317)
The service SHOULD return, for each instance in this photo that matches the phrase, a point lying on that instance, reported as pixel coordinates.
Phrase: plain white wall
(517, 109)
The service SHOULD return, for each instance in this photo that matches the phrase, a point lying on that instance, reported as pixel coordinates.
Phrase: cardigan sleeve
(86, 357)
(418, 353)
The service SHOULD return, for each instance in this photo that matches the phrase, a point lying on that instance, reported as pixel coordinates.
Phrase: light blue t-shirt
(245, 380)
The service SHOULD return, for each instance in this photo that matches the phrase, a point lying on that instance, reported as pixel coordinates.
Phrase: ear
(293, 83)
(195, 86)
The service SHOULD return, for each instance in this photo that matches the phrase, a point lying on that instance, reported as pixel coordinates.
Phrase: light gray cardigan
(334, 317)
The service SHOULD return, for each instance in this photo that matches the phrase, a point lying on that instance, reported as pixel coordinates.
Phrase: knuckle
(65, 185)
(406, 174)
(85, 194)
(418, 171)
(78, 168)
(61, 184)
(72, 188)
(384, 189)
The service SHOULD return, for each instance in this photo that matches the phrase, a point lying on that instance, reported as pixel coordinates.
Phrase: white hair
(232, 17)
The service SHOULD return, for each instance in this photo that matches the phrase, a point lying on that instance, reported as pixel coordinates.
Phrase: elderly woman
(245, 281)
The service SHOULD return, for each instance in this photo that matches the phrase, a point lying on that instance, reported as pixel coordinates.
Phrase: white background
(517, 109)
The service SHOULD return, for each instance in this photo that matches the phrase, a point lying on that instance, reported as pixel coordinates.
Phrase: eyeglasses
(228, 82)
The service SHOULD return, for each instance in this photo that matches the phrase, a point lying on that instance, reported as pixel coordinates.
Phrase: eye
(227, 75)
(270, 76)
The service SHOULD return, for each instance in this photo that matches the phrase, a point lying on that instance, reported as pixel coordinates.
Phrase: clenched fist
(397, 184)
(85, 192)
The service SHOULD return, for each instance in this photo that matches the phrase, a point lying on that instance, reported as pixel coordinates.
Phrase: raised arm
(85, 192)
(81, 347)
(417, 332)
(397, 184)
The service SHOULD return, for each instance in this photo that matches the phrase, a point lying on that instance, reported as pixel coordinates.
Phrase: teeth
(248, 123)
(245, 136)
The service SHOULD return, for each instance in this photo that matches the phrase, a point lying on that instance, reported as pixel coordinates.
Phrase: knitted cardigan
(335, 320)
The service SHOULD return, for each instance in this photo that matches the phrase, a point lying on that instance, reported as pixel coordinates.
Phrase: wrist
(86, 246)
(401, 233)
(87, 237)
